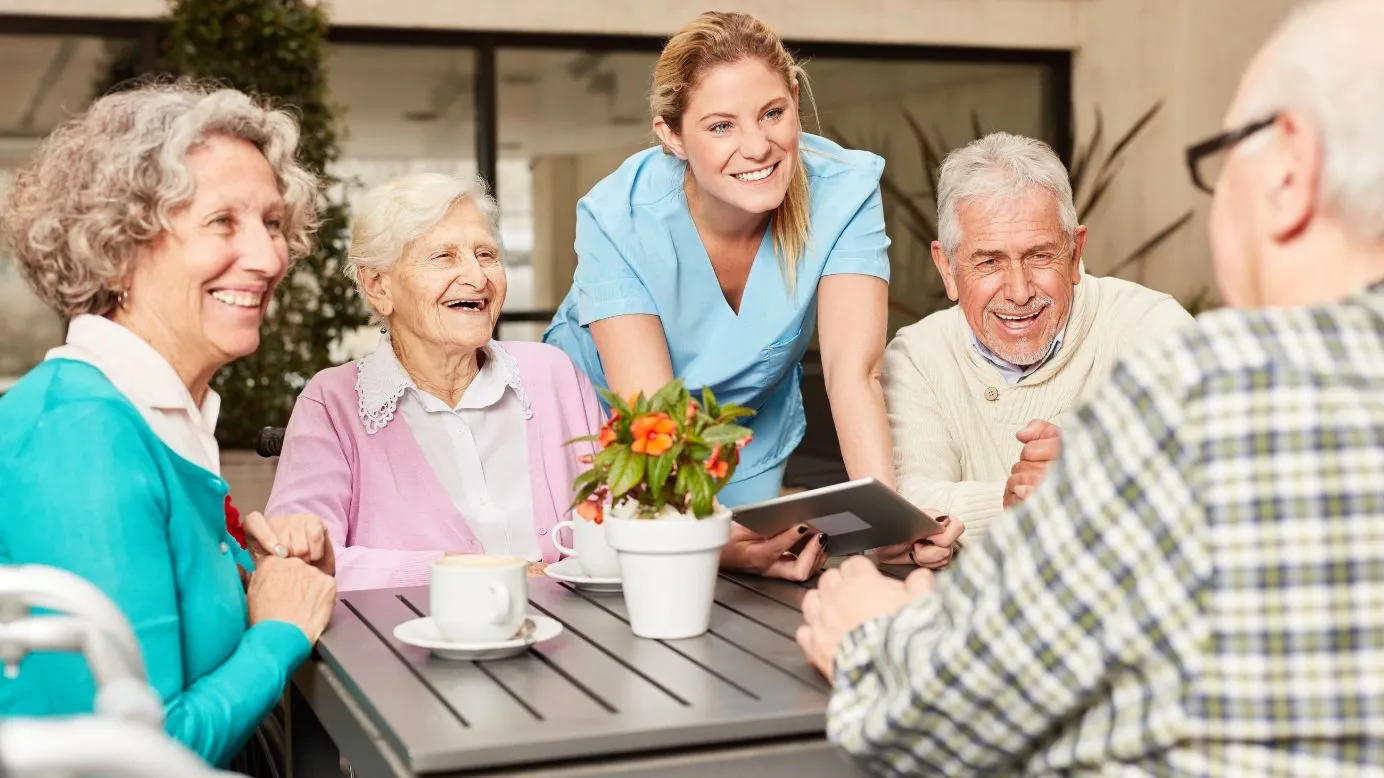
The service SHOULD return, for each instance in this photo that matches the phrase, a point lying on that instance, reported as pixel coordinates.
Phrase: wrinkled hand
(747, 552)
(291, 591)
(845, 598)
(934, 552)
(1042, 444)
(298, 535)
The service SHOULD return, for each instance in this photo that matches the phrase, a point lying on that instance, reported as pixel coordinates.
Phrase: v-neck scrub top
(638, 252)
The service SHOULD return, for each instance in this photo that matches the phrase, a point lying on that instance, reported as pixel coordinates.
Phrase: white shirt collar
(146, 378)
(381, 381)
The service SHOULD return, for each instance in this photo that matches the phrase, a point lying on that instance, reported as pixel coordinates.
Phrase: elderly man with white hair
(972, 391)
(1195, 588)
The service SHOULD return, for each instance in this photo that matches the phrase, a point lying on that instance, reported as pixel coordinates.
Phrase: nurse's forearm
(634, 354)
(857, 409)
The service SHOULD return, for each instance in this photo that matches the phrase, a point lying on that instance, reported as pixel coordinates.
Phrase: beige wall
(1129, 53)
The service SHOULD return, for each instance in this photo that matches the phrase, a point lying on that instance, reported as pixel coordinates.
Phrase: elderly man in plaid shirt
(1197, 587)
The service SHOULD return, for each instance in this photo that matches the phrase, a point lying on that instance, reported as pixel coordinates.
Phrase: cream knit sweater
(954, 418)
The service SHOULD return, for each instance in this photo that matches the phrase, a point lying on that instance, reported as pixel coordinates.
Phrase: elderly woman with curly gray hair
(159, 222)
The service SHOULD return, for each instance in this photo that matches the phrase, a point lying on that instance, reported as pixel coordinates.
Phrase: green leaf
(698, 451)
(664, 399)
(709, 403)
(616, 402)
(583, 494)
(681, 485)
(625, 474)
(702, 489)
(583, 439)
(606, 457)
(724, 434)
(732, 412)
(658, 470)
(590, 476)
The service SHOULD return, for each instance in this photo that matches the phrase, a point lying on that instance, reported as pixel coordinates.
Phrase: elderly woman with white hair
(441, 440)
(159, 222)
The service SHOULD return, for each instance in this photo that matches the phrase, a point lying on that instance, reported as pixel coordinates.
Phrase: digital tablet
(855, 516)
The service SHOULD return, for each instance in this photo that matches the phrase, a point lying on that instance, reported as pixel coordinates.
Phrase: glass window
(405, 109)
(567, 118)
(47, 79)
(884, 105)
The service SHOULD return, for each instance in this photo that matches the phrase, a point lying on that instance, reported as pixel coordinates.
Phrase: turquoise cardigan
(87, 486)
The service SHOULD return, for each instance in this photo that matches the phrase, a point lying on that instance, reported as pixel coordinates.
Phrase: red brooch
(233, 523)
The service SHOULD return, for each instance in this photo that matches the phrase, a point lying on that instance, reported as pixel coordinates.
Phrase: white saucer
(569, 570)
(423, 634)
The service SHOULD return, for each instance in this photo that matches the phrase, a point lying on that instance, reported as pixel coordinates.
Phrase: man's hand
(1042, 443)
(847, 597)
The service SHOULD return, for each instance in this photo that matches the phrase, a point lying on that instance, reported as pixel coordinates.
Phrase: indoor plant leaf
(625, 474)
(724, 434)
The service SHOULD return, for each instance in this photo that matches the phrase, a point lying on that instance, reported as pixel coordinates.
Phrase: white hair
(400, 211)
(1326, 64)
(999, 166)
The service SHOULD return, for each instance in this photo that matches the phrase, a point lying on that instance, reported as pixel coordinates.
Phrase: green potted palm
(652, 484)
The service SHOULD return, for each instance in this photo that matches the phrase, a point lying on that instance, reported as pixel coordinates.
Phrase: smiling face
(739, 136)
(1014, 273)
(200, 291)
(448, 287)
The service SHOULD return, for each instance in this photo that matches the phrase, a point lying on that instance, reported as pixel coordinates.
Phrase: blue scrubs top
(639, 252)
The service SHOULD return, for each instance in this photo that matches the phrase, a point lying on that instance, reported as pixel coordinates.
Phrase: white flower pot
(668, 568)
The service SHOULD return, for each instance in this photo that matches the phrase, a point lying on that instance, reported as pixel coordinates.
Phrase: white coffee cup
(589, 546)
(474, 598)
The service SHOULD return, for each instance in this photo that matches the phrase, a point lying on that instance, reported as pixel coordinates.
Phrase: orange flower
(607, 436)
(743, 442)
(653, 434)
(692, 408)
(591, 510)
(586, 459)
(715, 466)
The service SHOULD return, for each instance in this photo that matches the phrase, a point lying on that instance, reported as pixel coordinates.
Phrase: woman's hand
(934, 553)
(289, 590)
(300, 535)
(747, 552)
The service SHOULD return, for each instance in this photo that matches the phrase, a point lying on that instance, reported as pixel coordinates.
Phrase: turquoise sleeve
(863, 246)
(605, 281)
(110, 525)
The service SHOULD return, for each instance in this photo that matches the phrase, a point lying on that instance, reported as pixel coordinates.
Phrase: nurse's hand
(935, 552)
(747, 552)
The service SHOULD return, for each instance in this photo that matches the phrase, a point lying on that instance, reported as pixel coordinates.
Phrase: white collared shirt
(150, 383)
(478, 450)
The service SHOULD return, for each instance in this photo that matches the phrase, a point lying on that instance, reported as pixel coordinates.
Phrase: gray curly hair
(104, 184)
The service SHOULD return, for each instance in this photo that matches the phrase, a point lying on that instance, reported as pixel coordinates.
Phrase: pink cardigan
(386, 512)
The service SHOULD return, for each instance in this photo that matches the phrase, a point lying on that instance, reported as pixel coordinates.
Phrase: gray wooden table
(594, 701)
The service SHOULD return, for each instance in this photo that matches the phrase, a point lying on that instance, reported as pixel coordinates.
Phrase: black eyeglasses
(1204, 160)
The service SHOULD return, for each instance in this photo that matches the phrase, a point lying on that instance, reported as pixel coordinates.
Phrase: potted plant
(653, 482)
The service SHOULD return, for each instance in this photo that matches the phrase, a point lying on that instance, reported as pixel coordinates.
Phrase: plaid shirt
(1196, 588)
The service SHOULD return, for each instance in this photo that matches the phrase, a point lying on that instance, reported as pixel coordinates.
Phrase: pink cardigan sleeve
(314, 476)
